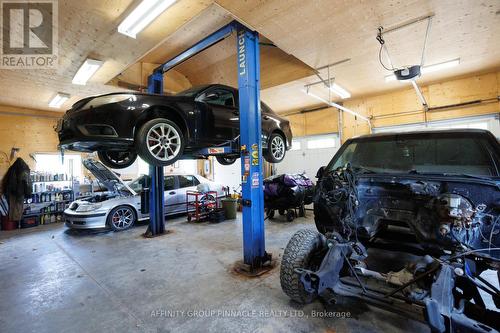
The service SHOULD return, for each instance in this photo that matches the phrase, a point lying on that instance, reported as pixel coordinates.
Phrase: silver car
(120, 206)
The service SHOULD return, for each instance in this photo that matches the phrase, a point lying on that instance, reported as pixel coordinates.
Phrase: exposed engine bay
(438, 213)
(412, 245)
(103, 196)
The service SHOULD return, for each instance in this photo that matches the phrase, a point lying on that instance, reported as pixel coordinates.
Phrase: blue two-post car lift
(247, 46)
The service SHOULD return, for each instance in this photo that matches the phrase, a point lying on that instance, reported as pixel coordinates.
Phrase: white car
(120, 206)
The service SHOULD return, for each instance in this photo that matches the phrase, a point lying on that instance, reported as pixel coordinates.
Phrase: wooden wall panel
(298, 124)
(30, 130)
(463, 90)
(321, 121)
(402, 106)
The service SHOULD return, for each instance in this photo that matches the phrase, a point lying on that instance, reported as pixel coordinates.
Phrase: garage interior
(328, 67)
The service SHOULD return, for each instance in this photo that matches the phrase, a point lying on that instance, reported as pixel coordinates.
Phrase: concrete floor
(55, 280)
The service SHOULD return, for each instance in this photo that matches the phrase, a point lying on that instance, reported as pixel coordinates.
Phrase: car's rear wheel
(160, 142)
(121, 218)
(117, 159)
(276, 148)
(225, 160)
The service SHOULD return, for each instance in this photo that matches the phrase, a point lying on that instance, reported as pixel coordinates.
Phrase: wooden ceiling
(308, 34)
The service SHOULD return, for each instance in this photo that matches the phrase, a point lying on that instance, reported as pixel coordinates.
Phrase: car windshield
(138, 183)
(429, 154)
(191, 92)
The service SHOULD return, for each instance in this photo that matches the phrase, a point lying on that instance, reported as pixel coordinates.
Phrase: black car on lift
(407, 221)
(162, 129)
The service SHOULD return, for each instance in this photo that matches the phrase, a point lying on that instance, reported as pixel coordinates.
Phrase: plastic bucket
(8, 224)
(230, 207)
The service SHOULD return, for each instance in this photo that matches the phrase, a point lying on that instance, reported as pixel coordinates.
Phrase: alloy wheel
(164, 142)
(278, 147)
(122, 218)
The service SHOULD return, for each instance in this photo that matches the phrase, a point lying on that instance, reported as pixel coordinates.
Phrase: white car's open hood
(106, 176)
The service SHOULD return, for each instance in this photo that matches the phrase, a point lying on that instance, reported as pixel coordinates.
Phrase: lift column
(156, 187)
(247, 41)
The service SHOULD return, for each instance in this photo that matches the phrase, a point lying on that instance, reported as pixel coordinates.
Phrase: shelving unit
(47, 205)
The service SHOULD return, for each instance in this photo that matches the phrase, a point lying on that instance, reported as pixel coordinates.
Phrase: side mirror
(211, 96)
(320, 172)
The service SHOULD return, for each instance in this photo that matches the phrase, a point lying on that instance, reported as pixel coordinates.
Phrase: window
(169, 183)
(321, 143)
(139, 183)
(220, 97)
(265, 109)
(187, 181)
(53, 163)
(434, 153)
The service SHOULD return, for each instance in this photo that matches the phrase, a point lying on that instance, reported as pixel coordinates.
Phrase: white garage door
(228, 175)
(308, 154)
(490, 123)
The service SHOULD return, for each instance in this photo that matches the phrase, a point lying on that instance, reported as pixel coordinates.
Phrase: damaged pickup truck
(409, 222)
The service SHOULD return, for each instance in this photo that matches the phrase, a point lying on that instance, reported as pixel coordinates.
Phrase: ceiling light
(440, 66)
(335, 105)
(85, 72)
(430, 68)
(338, 90)
(143, 15)
(58, 100)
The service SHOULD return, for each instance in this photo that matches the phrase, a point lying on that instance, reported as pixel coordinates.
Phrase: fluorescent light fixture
(338, 90)
(85, 72)
(338, 106)
(430, 68)
(142, 16)
(440, 66)
(58, 100)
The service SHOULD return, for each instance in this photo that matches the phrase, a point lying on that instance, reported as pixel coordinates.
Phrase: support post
(254, 254)
(156, 193)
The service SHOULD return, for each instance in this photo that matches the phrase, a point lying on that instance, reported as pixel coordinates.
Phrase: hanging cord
(381, 40)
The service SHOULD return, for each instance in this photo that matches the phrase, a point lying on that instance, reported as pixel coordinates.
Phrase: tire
(225, 160)
(160, 142)
(302, 251)
(127, 216)
(117, 159)
(276, 148)
(270, 213)
(290, 215)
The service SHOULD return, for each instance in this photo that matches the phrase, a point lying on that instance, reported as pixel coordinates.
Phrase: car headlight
(88, 207)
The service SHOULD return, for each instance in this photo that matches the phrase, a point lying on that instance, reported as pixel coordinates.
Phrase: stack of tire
(287, 191)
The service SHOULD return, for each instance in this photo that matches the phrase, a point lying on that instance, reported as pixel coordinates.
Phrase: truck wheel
(160, 142)
(276, 148)
(304, 250)
(117, 159)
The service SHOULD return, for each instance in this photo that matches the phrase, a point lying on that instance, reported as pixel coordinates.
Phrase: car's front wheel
(276, 148)
(160, 142)
(117, 159)
(121, 218)
(305, 250)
